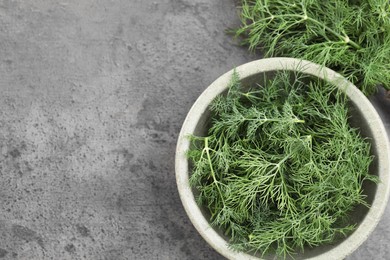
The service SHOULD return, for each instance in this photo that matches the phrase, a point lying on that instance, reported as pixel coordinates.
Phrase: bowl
(363, 116)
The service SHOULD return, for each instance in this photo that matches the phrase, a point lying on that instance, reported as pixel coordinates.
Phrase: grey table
(93, 94)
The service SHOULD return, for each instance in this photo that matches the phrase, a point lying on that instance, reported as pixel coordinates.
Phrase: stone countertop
(93, 95)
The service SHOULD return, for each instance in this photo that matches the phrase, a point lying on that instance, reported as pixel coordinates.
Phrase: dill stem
(294, 120)
(340, 156)
(344, 38)
(207, 149)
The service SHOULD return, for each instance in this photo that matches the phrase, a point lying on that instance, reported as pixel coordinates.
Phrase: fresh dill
(280, 168)
(348, 36)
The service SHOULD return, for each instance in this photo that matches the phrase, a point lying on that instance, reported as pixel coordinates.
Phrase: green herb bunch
(348, 36)
(280, 167)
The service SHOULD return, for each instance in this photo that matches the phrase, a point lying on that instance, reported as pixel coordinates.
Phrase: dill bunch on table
(280, 167)
(351, 37)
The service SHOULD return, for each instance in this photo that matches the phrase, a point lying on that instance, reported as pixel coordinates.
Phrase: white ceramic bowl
(364, 116)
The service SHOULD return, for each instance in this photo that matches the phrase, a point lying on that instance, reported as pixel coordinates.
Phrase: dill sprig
(351, 37)
(280, 167)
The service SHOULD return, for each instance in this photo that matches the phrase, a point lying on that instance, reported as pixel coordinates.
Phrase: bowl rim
(375, 124)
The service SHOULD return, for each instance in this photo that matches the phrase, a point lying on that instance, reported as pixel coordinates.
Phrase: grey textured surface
(93, 94)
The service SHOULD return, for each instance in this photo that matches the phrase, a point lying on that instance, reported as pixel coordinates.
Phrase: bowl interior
(369, 189)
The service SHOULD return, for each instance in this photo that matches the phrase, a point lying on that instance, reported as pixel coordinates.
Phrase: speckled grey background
(93, 94)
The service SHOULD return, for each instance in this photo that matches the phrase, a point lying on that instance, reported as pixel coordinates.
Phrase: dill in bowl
(280, 167)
